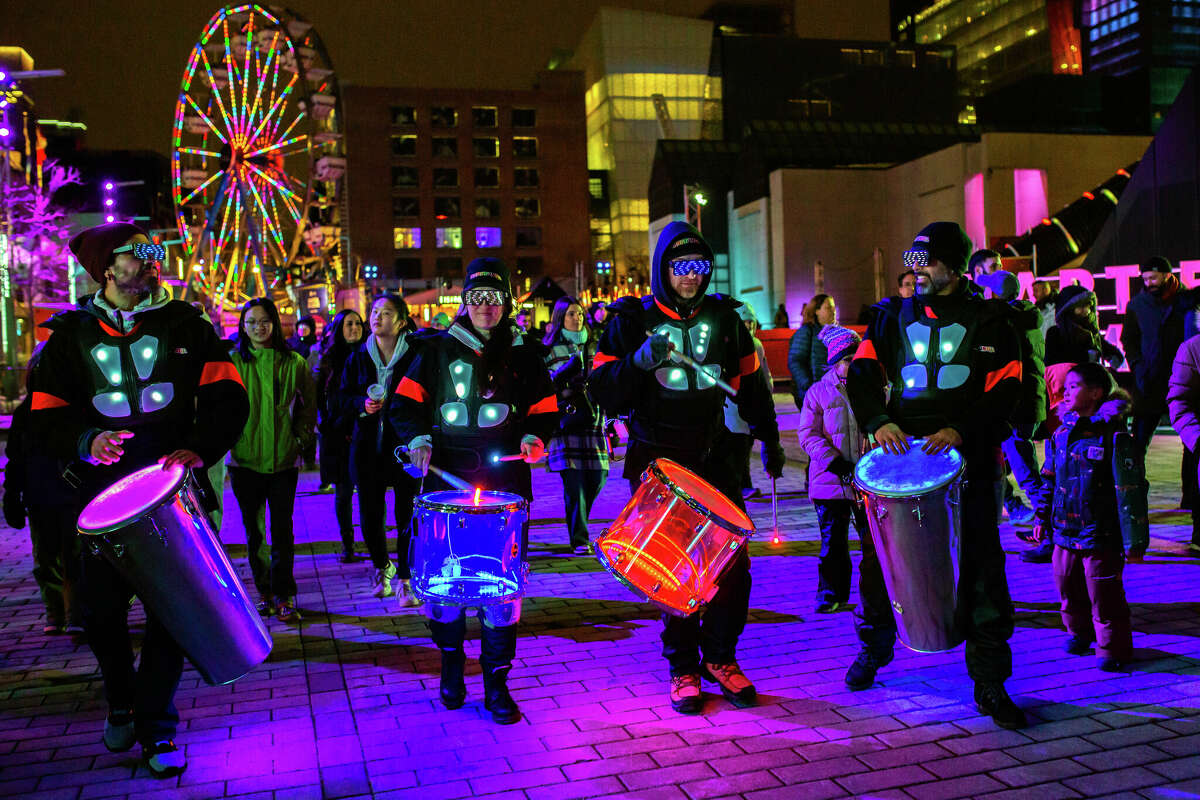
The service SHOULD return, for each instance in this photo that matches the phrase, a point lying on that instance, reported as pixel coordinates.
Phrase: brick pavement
(346, 705)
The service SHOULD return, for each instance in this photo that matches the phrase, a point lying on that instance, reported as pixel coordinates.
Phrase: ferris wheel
(257, 156)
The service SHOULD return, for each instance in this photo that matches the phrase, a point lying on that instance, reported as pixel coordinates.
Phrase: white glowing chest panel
(933, 349)
(457, 413)
(695, 342)
(127, 370)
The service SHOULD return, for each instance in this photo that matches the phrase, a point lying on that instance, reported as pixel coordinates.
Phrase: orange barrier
(775, 343)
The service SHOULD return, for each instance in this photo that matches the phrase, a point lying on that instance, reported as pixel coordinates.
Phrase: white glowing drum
(915, 517)
(466, 550)
(674, 539)
(150, 526)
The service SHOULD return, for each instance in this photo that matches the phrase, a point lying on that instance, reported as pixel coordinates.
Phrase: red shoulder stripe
(217, 371)
(1010, 370)
(42, 401)
(412, 390)
(547, 405)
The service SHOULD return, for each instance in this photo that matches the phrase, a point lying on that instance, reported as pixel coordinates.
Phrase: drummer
(961, 398)
(130, 378)
(675, 413)
(475, 393)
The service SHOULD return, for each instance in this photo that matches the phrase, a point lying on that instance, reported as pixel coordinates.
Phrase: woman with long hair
(340, 338)
(806, 354)
(579, 450)
(368, 384)
(263, 464)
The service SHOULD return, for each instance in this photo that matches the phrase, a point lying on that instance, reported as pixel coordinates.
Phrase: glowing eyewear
(484, 297)
(146, 252)
(695, 266)
(916, 258)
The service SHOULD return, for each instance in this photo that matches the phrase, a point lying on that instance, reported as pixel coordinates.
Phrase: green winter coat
(283, 410)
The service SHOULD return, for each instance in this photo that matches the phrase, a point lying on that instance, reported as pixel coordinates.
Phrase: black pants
(580, 489)
(255, 491)
(55, 544)
(150, 690)
(1144, 426)
(985, 611)
(343, 512)
(372, 506)
(497, 646)
(833, 566)
(711, 635)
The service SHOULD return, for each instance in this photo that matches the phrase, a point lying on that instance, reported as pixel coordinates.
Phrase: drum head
(130, 498)
(480, 500)
(700, 493)
(907, 475)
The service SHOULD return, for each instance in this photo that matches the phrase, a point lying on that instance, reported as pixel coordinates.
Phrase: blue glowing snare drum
(467, 547)
(913, 510)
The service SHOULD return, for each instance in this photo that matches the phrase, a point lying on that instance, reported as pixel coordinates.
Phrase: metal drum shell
(727, 536)
(515, 511)
(917, 539)
(177, 566)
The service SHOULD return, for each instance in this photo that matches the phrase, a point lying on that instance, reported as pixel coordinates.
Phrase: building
(999, 42)
(437, 177)
(647, 79)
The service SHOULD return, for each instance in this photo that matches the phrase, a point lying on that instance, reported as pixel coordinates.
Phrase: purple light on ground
(130, 497)
(973, 210)
(1029, 199)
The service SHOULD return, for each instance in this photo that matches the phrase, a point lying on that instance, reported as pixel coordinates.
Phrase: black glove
(842, 468)
(653, 352)
(14, 510)
(773, 459)
(563, 375)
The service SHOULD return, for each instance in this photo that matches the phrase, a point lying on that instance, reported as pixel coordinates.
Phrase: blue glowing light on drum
(910, 473)
(130, 497)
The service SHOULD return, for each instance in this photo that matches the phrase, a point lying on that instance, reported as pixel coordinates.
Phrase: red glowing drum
(674, 539)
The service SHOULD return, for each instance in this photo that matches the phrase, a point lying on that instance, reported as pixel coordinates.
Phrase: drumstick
(513, 457)
(401, 455)
(774, 512)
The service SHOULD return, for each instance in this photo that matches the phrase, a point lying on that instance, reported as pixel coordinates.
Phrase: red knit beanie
(94, 246)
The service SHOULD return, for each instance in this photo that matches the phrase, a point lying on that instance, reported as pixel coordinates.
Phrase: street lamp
(694, 199)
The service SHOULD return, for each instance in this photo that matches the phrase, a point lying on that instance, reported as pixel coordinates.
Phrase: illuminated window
(404, 115)
(487, 207)
(450, 238)
(485, 116)
(404, 177)
(487, 237)
(443, 117)
(488, 177)
(406, 238)
(529, 237)
(485, 147)
(444, 177)
(404, 144)
(445, 147)
(406, 207)
(906, 58)
(525, 177)
(407, 267)
(524, 117)
(527, 208)
(446, 208)
(525, 146)
(596, 188)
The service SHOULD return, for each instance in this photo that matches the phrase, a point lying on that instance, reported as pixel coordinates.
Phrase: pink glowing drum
(150, 526)
(674, 539)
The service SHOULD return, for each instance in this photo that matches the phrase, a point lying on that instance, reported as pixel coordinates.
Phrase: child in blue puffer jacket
(1095, 508)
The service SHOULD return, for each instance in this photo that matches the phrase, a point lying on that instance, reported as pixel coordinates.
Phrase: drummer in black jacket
(676, 413)
(476, 392)
(960, 397)
(129, 379)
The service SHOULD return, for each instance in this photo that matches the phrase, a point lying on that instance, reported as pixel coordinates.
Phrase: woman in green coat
(263, 464)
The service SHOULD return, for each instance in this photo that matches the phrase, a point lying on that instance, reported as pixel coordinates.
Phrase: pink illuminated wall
(973, 214)
(1029, 199)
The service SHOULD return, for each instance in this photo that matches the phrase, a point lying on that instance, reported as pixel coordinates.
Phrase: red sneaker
(734, 684)
(685, 694)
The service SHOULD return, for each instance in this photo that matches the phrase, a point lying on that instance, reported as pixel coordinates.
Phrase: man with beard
(128, 379)
(1152, 333)
(953, 361)
(678, 413)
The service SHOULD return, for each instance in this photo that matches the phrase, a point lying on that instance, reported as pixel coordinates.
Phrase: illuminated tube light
(1123, 173)
(1108, 195)
(1070, 239)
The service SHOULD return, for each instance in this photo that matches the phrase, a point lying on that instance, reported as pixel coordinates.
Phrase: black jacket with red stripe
(673, 411)
(952, 361)
(167, 378)
(441, 397)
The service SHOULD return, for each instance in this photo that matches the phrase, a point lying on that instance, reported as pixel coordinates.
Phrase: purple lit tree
(41, 229)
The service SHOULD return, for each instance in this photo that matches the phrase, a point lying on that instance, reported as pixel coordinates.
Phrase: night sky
(124, 60)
